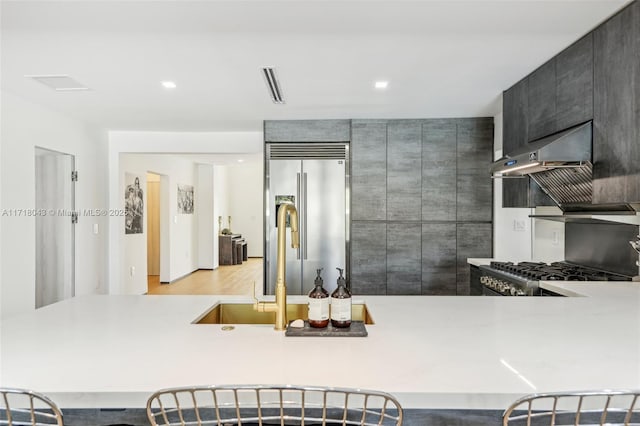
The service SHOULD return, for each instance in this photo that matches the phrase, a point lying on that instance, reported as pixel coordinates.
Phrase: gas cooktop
(557, 271)
(522, 279)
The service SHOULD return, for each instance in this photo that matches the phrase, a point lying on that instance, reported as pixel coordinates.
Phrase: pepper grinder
(219, 225)
(230, 226)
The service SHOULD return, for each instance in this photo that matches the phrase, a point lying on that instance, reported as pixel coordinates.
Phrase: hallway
(226, 280)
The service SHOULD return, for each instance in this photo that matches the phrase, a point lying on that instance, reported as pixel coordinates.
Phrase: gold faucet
(280, 305)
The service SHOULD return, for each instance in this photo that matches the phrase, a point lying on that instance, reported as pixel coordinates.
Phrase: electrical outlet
(555, 238)
(95, 229)
(132, 271)
(519, 225)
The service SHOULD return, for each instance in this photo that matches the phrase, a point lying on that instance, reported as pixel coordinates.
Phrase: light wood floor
(231, 279)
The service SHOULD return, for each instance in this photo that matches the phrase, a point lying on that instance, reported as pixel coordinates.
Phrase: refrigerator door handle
(298, 207)
(304, 215)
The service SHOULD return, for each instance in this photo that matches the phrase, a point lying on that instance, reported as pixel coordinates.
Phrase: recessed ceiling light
(381, 84)
(240, 160)
(169, 85)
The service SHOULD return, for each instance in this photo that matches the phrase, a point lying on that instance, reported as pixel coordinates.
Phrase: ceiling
(441, 58)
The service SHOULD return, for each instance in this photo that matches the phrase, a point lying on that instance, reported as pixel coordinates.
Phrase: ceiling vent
(271, 80)
(59, 83)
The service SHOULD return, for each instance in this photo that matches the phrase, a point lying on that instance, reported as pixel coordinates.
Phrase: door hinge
(74, 217)
(74, 176)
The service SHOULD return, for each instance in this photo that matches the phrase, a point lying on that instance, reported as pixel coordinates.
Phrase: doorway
(55, 226)
(153, 227)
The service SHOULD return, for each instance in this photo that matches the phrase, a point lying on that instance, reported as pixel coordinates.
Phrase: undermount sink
(243, 313)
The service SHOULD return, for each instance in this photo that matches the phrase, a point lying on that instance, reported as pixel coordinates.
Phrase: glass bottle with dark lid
(341, 304)
(318, 304)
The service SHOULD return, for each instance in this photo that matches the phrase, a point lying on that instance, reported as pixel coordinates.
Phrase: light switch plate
(519, 225)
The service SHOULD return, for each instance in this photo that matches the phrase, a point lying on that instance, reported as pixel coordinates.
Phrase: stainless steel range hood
(560, 164)
(570, 148)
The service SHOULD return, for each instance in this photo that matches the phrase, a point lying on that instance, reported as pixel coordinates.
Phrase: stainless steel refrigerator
(314, 177)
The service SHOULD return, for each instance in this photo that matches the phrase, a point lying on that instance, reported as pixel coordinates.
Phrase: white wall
(246, 188)
(512, 228)
(548, 241)
(207, 232)
(25, 126)
(220, 204)
(183, 247)
(162, 142)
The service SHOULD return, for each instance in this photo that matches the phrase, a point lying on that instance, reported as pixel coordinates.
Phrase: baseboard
(179, 278)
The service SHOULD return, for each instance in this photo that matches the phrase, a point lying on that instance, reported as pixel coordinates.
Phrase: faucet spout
(280, 305)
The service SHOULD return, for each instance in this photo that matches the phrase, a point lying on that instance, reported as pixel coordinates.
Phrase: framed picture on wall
(133, 204)
(185, 199)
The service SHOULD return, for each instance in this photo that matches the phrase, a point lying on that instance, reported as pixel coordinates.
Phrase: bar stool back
(21, 407)
(272, 405)
(605, 407)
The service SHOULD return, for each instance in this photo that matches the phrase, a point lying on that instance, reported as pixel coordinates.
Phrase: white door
(55, 240)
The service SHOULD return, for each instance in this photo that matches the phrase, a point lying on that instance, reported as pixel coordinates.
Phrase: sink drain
(227, 328)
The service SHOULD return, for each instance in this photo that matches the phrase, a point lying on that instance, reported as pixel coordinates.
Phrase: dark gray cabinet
(514, 117)
(541, 97)
(439, 169)
(404, 176)
(369, 257)
(616, 144)
(475, 286)
(556, 96)
(574, 84)
(473, 240)
(307, 130)
(515, 192)
(413, 182)
(404, 273)
(474, 186)
(439, 259)
(369, 170)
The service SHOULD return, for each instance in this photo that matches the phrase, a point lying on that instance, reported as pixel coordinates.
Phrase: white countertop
(430, 352)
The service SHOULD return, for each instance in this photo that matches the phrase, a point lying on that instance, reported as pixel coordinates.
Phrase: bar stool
(272, 404)
(20, 407)
(604, 407)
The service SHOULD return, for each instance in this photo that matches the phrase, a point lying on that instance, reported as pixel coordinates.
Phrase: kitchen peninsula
(470, 353)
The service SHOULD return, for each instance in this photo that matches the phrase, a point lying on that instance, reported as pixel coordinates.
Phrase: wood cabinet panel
(369, 257)
(474, 194)
(369, 171)
(404, 170)
(515, 117)
(473, 240)
(439, 259)
(574, 84)
(439, 170)
(404, 273)
(542, 101)
(616, 146)
(307, 130)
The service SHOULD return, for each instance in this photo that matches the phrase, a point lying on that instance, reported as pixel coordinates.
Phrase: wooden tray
(357, 329)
